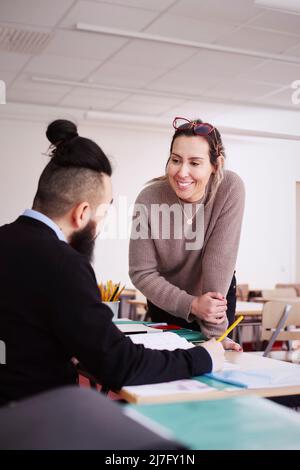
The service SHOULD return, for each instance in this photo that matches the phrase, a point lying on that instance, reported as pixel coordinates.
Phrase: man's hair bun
(61, 131)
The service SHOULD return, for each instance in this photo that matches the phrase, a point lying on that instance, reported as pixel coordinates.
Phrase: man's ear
(80, 215)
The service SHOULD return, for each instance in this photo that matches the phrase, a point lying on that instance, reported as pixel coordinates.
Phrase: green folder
(250, 423)
(189, 335)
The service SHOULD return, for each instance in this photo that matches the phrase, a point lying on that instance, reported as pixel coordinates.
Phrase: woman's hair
(74, 173)
(216, 149)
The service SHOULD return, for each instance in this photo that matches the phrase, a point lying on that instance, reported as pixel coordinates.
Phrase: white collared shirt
(43, 218)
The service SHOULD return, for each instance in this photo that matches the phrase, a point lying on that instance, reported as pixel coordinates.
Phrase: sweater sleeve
(220, 251)
(144, 273)
(84, 327)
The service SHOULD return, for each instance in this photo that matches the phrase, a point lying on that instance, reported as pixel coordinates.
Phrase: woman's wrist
(193, 308)
(196, 310)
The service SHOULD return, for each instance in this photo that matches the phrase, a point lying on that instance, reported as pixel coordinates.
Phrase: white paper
(176, 387)
(167, 340)
(230, 365)
(127, 328)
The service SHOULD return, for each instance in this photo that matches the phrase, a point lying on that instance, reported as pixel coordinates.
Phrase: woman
(186, 280)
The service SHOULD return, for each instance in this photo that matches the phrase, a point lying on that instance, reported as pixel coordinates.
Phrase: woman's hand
(230, 344)
(210, 307)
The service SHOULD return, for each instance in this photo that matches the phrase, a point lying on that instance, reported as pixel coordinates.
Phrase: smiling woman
(188, 285)
(205, 157)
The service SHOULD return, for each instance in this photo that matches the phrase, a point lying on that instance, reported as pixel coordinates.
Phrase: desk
(246, 361)
(239, 423)
(249, 309)
(287, 300)
(252, 361)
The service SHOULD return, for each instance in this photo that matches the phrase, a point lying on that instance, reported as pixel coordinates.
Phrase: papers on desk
(167, 340)
(230, 366)
(175, 390)
(257, 379)
(136, 328)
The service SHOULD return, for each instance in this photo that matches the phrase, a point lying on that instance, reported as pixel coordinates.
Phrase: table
(287, 300)
(246, 361)
(249, 309)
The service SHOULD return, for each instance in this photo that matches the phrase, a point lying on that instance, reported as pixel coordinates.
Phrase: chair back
(271, 316)
(242, 292)
(294, 286)
(285, 292)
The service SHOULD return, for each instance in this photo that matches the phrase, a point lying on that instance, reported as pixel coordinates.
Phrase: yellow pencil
(101, 290)
(116, 288)
(119, 293)
(110, 292)
(230, 328)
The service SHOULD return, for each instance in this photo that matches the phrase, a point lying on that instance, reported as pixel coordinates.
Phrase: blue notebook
(259, 378)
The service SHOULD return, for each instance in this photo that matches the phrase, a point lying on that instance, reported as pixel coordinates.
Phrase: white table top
(249, 308)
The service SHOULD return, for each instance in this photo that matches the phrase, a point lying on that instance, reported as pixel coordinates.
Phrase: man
(50, 306)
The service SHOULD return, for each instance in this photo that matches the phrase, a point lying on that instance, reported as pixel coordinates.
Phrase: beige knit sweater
(167, 273)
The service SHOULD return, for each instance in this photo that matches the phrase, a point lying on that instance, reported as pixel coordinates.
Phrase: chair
(285, 292)
(279, 323)
(138, 307)
(124, 309)
(73, 418)
(242, 292)
(93, 382)
(137, 310)
(294, 286)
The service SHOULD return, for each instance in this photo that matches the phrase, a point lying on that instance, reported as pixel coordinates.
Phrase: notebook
(262, 378)
(185, 389)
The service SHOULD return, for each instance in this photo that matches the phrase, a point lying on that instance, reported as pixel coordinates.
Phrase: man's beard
(83, 240)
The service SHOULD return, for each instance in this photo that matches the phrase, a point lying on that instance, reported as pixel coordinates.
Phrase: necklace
(189, 220)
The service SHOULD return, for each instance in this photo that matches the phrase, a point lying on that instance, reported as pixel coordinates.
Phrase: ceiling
(50, 62)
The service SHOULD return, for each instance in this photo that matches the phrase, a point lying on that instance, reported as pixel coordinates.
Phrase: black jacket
(51, 311)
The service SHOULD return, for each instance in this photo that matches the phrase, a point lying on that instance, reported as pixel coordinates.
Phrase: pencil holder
(114, 306)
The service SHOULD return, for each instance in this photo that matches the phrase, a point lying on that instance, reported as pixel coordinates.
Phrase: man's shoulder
(70, 257)
(39, 241)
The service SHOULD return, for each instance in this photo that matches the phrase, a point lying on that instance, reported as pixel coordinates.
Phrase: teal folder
(244, 423)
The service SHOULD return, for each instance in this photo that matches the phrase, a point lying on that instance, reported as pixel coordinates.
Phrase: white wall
(270, 169)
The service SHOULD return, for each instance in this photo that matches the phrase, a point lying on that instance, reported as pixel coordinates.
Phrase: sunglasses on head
(203, 128)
